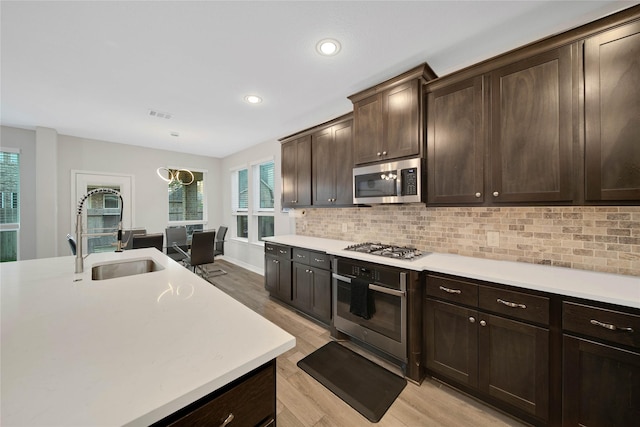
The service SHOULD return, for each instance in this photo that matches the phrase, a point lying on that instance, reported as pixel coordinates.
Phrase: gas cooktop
(389, 251)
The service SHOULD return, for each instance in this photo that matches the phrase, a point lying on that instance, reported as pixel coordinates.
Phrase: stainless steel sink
(131, 267)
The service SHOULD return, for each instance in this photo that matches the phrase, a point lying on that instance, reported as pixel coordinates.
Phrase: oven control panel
(365, 273)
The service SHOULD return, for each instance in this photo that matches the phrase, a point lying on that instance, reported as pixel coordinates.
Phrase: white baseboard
(243, 264)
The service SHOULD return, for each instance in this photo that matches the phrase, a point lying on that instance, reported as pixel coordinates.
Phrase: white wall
(25, 141)
(251, 255)
(149, 193)
(150, 196)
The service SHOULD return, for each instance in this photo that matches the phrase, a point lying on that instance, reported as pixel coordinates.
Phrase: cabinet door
(451, 337)
(401, 120)
(277, 275)
(532, 137)
(367, 115)
(514, 363)
(302, 287)
(321, 294)
(456, 143)
(296, 172)
(325, 165)
(601, 385)
(612, 114)
(343, 157)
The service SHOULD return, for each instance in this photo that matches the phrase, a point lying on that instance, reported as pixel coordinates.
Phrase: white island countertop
(603, 287)
(123, 351)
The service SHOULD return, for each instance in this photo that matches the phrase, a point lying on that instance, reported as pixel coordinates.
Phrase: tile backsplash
(605, 239)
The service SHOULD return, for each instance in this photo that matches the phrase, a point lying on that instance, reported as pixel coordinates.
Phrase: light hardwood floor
(302, 401)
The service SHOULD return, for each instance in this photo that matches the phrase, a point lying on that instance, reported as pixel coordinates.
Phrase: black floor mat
(365, 386)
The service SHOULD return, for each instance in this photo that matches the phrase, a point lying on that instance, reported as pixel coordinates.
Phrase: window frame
(14, 200)
(253, 211)
(205, 211)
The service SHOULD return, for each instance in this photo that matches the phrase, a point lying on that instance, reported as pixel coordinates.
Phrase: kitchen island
(122, 351)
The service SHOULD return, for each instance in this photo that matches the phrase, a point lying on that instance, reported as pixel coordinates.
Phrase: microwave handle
(376, 288)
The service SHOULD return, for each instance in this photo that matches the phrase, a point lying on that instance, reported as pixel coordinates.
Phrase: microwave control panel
(409, 181)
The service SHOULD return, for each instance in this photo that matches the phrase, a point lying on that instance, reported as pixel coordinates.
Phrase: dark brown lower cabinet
(601, 384)
(601, 364)
(312, 291)
(503, 359)
(248, 401)
(300, 278)
(277, 277)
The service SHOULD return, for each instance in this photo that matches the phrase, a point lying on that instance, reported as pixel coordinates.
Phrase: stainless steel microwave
(393, 182)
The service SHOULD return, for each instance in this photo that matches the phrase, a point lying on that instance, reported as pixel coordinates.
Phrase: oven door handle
(373, 287)
(388, 291)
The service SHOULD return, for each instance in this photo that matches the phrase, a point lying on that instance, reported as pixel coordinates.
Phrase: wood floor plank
(303, 402)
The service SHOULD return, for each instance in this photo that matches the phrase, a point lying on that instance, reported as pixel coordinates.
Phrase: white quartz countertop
(603, 287)
(123, 351)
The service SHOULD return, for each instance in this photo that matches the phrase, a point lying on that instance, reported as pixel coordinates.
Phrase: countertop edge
(581, 284)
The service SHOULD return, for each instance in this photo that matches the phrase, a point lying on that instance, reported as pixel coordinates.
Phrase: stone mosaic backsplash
(605, 239)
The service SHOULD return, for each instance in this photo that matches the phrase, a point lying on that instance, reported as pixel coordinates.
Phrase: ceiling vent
(159, 114)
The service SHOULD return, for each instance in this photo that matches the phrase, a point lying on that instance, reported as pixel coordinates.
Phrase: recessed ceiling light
(328, 47)
(253, 99)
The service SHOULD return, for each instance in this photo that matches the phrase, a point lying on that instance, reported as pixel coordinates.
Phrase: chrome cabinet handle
(478, 194)
(318, 260)
(511, 304)
(450, 291)
(379, 154)
(610, 326)
(283, 252)
(308, 271)
(275, 261)
(269, 248)
(496, 194)
(483, 323)
(227, 420)
(300, 256)
(472, 319)
(384, 153)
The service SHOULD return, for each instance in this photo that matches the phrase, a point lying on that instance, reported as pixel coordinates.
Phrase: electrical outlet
(345, 227)
(493, 238)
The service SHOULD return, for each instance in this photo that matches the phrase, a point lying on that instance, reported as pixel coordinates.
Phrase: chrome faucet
(79, 234)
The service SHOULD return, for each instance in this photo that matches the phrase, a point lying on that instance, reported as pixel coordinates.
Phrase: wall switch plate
(493, 239)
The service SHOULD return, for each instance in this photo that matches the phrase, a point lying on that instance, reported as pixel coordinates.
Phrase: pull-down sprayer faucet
(79, 259)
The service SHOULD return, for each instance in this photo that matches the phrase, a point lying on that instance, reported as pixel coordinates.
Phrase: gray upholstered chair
(201, 252)
(148, 241)
(127, 240)
(176, 236)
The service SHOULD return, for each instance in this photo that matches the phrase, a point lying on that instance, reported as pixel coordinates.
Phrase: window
(253, 191)
(264, 193)
(9, 204)
(241, 202)
(187, 199)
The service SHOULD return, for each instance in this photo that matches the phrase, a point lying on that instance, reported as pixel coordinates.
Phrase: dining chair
(201, 252)
(176, 236)
(127, 241)
(148, 241)
(219, 249)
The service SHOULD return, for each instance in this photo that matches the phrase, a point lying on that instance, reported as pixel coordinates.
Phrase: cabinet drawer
(249, 403)
(614, 326)
(320, 260)
(453, 290)
(277, 250)
(515, 304)
(301, 256)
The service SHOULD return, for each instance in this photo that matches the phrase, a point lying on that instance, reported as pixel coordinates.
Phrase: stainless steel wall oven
(383, 324)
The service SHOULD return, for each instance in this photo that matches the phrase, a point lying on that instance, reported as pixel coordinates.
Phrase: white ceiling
(93, 69)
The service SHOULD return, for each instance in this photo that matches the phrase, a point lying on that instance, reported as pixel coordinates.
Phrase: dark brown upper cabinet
(554, 122)
(504, 136)
(612, 115)
(296, 172)
(531, 130)
(332, 154)
(388, 118)
(456, 135)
